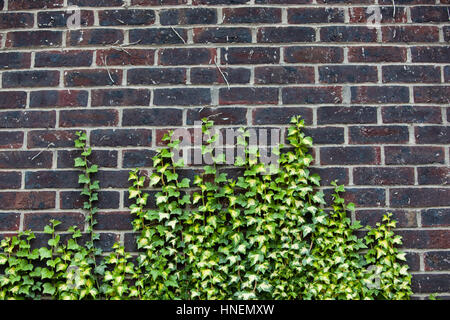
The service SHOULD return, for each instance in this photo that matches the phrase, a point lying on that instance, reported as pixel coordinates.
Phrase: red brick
(30, 200)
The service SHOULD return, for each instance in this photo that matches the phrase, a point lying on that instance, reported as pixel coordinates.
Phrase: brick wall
(375, 98)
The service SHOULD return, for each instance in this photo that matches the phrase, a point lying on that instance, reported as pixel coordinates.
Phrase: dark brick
(27, 119)
(89, 37)
(121, 137)
(155, 76)
(326, 135)
(71, 58)
(435, 217)
(434, 175)
(286, 34)
(152, 117)
(349, 155)
(188, 16)
(158, 36)
(251, 15)
(220, 116)
(422, 74)
(447, 74)
(313, 54)
(51, 138)
(222, 35)
(284, 75)
(9, 221)
(280, 115)
(25, 159)
(433, 134)
(383, 176)
(411, 114)
(120, 97)
(96, 3)
(315, 15)
(13, 99)
(420, 197)
(138, 158)
(182, 97)
(328, 175)
(62, 98)
(424, 14)
(345, 115)
(113, 179)
(16, 20)
(10, 180)
(370, 217)
(103, 158)
(51, 179)
(15, 60)
(283, 1)
(11, 139)
(117, 57)
(347, 34)
(88, 118)
(378, 134)
(425, 239)
(213, 2)
(246, 95)
(437, 260)
(361, 197)
(388, 15)
(41, 78)
(410, 34)
(34, 4)
(430, 54)
(378, 94)
(312, 95)
(377, 54)
(114, 221)
(254, 55)
(73, 200)
(60, 19)
(188, 56)
(432, 94)
(30, 200)
(414, 155)
(126, 17)
(41, 38)
(37, 221)
(214, 76)
(347, 74)
(92, 77)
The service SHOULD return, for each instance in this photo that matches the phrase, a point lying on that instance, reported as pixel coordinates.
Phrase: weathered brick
(73, 200)
(433, 175)
(328, 175)
(13, 99)
(41, 78)
(284, 75)
(15, 60)
(425, 239)
(158, 36)
(69, 58)
(92, 77)
(346, 115)
(349, 155)
(51, 179)
(34, 4)
(113, 179)
(411, 114)
(313, 54)
(379, 94)
(424, 14)
(11, 140)
(420, 197)
(37, 221)
(410, 34)
(40, 38)
(88, 118)
(58, 98)
(152, 117)
(286, 34)
(96, 3)
(388, 15)
(378, 134)
(204, 75)
(377, 54)
(61, 19)
(435, 217)
(120, 97)
(433, 134)
(437, 260)
(103, 158)
(347, 74)
(251, 15)
(383, 176)
(432, 94)
(312, 95)
(126, 17)
(220, 116)
(422, 74)
(370, 217)
(182, 97)
(361, 197)
(326, 135)
(114, 221)
(315, 15)
(413, 155)
(138, 158)
(30, 200)
(25, 159)
(347, 34)
(9, 221)
(254, 55)
(121, 137)
(92, 37)
(16, 20)
(222, 35)
(156, 76)
(189, 56)
(10, 180)
(27, 119)
(51, 138)
(431, 54)
(123, 57)
(277, 115)
(246, 95)
(188, 16)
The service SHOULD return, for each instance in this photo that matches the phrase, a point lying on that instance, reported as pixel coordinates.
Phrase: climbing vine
(268, 234)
